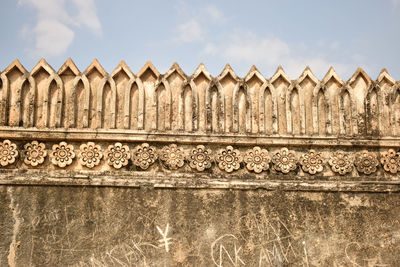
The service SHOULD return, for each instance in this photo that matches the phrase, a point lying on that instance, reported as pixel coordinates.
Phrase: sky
(317, 33)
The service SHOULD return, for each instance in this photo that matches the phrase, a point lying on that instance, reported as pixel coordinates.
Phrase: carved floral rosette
(8, 153)
(117, 155)
(62, 154)
(200, 158)
(172, 156)
(341, 162)
(229, 159)
(90, 154)
(312, 162)
(284, 160)
(391, 161)
(144, 155)
(34, 153)
(366, 162)
(257, 159)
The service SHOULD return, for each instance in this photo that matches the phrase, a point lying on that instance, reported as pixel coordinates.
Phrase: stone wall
(119, 226)
(153, 169)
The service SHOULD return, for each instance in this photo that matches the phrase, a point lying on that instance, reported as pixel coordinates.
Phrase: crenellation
(332, 82)
(215, 107)
(12, 77)
(229, 82)
(242, 109)
(226, 104)
(386, 84)
(254, 81)
(180, 91)
(321, 111)
(347, 111)
(187, 106)
(295, 110)
(307, 83)
(281, 83)
(123, 77)
(268, 110)
(200, 82)
(78, 113)
(67, 72)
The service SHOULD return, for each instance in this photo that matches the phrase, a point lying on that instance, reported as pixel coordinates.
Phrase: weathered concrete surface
(109, 226)
(6, 225)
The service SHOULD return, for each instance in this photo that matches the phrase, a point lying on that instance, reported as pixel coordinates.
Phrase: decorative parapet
(201, 131)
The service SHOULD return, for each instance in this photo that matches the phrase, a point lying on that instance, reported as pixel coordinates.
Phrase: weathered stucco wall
(105, 226)
(153, 169)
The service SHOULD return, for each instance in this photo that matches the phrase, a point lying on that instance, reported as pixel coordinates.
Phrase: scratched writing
(276, 244)
(164, 242)
(226, 249)
(355, 254)
(47, 218)
(262, 239)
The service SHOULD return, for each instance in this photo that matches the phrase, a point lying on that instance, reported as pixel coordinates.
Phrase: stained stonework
(117, 226)
(153, 169)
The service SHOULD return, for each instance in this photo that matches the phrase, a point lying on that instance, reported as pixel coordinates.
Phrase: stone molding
(251, 130)
(202, 166)
(200, 158)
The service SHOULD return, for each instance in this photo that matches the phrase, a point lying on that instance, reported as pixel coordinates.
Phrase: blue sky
(294, 34)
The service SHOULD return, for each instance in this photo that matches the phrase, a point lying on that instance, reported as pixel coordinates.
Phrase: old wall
(153, 169)
(91, 226)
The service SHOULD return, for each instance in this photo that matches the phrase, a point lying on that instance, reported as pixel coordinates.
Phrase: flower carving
(62, 154)
(391, 161)
(172, 156)
(8, 153)
(312, 162)
(35, 153)
(284, 160)
(229, 159)
(144, 155)
(257, 159)
(366, 162)
(200, 158)
(118, 155)
(90, 154)
(341, 163)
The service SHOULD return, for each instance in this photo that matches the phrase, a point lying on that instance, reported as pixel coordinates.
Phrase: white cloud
(87, 15)
(395, 3)
(190, 31)
(250, 48)
(194, 28)
(52, 37)
(243, 49)
(210, 49)
(335, 45)
(212, 12)
(54, 30)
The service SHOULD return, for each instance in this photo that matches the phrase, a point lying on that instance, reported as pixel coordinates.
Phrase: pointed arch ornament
(253, 113)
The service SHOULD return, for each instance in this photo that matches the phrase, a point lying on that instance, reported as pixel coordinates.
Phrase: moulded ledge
(194, 181)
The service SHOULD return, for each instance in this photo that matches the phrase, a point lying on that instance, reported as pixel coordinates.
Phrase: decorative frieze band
(201, 158)
(198, 131)
(174, 102)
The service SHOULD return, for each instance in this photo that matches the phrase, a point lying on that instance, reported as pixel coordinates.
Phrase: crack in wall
(17, 222)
